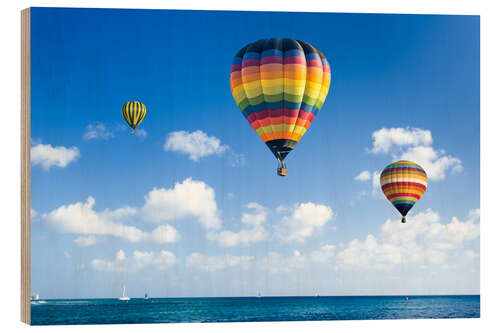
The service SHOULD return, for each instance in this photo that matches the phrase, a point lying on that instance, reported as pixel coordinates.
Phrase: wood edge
(25, 166)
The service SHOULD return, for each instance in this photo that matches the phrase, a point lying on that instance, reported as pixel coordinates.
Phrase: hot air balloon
(403, 183)
(133, 113)
(279, 86)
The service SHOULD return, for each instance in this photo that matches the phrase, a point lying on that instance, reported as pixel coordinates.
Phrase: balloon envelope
(403, 183)
(133, 113)
(279, 86)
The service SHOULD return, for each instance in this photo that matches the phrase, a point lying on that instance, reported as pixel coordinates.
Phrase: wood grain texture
(25, 166)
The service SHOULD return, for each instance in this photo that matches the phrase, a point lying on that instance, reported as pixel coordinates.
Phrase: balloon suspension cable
(281, 167)
(133, 131)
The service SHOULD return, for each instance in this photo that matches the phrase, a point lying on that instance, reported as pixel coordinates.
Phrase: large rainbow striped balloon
(279, 86)
(403, 183)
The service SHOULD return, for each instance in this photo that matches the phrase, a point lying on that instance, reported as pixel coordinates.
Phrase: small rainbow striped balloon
(279, 86)
(403, 183)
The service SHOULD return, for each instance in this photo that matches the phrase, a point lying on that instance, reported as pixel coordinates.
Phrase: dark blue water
(173, 310)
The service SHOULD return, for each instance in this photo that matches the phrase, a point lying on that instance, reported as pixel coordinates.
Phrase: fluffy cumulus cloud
(303, 220)
(363, 176)
(189, 199)
(387, 138)
(117, 264)
(86, 240)
(423, 241)
(275, 262)
(141, 133)
(80, 218)
(254, 232)
(161, 261)
(165, 234)
(278, 263)
(435, 162)
(196, 144)
(324, 254)
(48, 156)
(471, 254)
(97, 131)
(216, 263)
(414, 144)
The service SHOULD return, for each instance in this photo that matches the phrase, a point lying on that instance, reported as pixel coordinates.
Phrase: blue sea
(240, 309)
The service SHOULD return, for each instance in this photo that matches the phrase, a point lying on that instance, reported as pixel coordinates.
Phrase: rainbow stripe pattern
(279, 86)
(403, 183)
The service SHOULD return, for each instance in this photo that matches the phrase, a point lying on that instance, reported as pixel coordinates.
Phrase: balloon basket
(281, 171)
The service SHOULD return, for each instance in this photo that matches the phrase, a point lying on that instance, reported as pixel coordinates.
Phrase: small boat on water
(124, 297)
(406, 298)
(35, 297)
(146, 296)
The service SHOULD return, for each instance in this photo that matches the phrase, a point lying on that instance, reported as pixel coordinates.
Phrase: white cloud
(376, 183)
(471, 254)
(86, 240)
(303, 221)
(369, 254)
(435, 163)
(80, 218)
(415, 144)
(97, 131)
(161, 261)
(256, 233)
(363, 176)
(33, 213)
(196, 144)
(67, 255)
(277, 263)
(189, 199)
(48, 156)
(422, 240)
(324, 254)
(215, 263)
(141, 133)
(386, 138)
(165, 234)
(115, 265)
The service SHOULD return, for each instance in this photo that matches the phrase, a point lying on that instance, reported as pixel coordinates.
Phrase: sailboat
(124, 298)
(146, 296)
(35, 297)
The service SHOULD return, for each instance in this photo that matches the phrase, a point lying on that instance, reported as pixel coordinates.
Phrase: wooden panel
(25, 166)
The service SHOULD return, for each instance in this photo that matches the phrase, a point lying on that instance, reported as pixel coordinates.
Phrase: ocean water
(240, 309)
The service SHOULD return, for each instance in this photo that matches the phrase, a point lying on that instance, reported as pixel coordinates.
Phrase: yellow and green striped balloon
(133, 113)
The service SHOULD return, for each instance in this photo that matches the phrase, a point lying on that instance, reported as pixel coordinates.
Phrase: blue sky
(403, 86)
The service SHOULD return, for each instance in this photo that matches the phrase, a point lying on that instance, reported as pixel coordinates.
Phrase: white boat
(35, 297)
(124, 298)
(146, 296)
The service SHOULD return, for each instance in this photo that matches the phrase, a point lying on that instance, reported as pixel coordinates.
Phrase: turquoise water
(173, 310)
